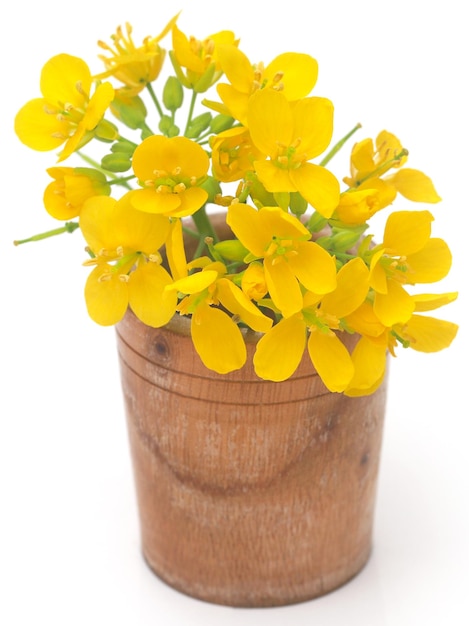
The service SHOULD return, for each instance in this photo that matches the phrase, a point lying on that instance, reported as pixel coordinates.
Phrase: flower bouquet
(298, 261)
(203, 190)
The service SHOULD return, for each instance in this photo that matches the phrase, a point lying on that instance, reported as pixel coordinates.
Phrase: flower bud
(198, 125)
(173, 94)
(231, 249)
(130, 111)
(106, 131)
(220, 123)
(116, 162)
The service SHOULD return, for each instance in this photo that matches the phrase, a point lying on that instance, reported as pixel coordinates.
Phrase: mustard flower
(135, 67)
(65, 195)
(292, 73)
(170, 171)
(369, 163)
(124, 243)
(280, 350)
(290, 135)
(66, 114)
(420, 332)
(408, 255)
(199, 58)
(290, 260)
(216, 335)
(233, 154)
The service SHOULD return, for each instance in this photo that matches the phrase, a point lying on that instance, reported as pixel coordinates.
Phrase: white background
(69, 545)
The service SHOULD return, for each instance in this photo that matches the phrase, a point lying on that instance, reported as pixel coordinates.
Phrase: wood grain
(250, 493)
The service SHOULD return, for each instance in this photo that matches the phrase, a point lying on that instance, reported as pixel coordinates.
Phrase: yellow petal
(364, 321)
(429, 334)
(318, 186)
(431, 263)
(415, 186)
(352, 289)
(148, 299)
(236, 302)
(274, 179)
(61, 76)
(279, 352)
(237, 68)
(284, 288)
(331, 359)
(430, 301)
(313, 123)
(299, 73)
(395, 306)
(406, 232)
(176, 251)
(39, 130)
(217, 340)
(369, 359)
(106, 298)
(270, 120)
(195, 282)
(314, 267)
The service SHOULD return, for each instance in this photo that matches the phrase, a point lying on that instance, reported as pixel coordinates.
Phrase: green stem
(68, 227)
(191, 111)
(383, 168)
(155, 99)
(339, 145)
(122, 180)
(204, 225)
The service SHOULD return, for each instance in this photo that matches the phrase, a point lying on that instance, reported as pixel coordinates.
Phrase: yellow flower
(64, 197)
(292, 73)
(419, 332)
(170, 170)
(356, 207)
(369, 163)
(290, 135)
(217, 337)
(134, 66)
(289, 259)
(280, 350)
(125, 245)
(408, 255)
(65, 114)
(233, 154)
(199, 58)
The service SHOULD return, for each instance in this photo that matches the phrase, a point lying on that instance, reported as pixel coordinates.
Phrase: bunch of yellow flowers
(292, 262)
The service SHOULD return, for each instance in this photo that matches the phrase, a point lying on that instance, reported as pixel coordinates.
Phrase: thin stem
(191, 111)
(383, 167)
(68, 227)
(339, 145)
(155, 99)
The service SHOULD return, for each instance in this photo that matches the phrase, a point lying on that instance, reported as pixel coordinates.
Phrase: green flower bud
(106, 131)
(173, 94)
(130, 111)
(198, 125)
(316, 222)
(298, 204)
(206, 80)
(232, 250)
(116, 162)
(124, 147)
(220, 123)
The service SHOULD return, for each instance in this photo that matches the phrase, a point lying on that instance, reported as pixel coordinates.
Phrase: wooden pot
(251, 493)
